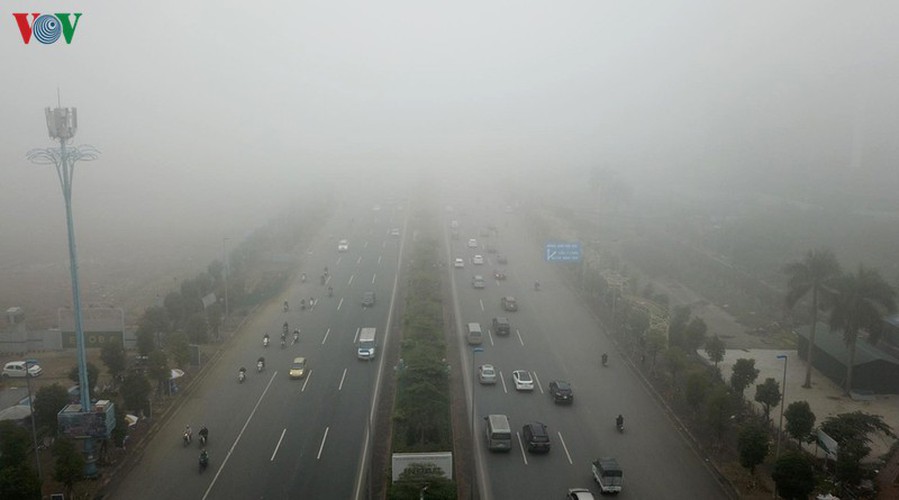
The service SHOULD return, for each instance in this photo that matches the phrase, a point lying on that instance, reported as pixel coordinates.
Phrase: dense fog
(213, 116)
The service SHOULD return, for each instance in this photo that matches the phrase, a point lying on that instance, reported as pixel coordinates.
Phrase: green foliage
(753, 446)
(852, 432)
(174, 307)
(694, 335)
(655, 342)
(214, 318)
(812, 274)
(677, 326)
(48, 401)
(719, 407)
(69, 467)
(768, 394)
(15, 442)
(675, 361)
(135, 391)
(716, 349)
(794, 475)
(861, 302)
(197, 329)
(19, 481)
(93, 374)
(155, 320)
(178, 348)
(113, 356)
(158, 368)
(744, 373)
(800, 421)
(698, 386)
(638, 322)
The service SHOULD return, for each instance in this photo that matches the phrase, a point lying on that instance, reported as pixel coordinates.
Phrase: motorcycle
(296, 336)
(260, 366)
(303, 304)
(605, 359)
(241, 376)
(286, 306)
(204, 461)
(283, 344)
(202, 440)
(186, 438)
(265, 342)
(619, 423)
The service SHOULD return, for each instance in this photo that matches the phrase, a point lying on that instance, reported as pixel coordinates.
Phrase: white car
(343, 246)
(472, 243)
(395, 232)
(523, 380)
(17, 369)
(459, 263)
(487, 374)
(477, 260)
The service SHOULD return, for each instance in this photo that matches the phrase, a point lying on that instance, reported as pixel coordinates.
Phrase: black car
(561, 392)
(509, 304)
(501, 326)
(368, 299)
(536, 437)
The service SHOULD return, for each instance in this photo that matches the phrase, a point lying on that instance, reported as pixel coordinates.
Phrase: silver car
(523, 380)
(487, 374)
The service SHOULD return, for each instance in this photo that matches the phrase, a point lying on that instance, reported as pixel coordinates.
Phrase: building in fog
(875, 369)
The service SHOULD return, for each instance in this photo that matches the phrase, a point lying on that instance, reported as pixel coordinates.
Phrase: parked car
(509, 304)
(487, 374)
(561, 392)
(17, 369)
(523, 380)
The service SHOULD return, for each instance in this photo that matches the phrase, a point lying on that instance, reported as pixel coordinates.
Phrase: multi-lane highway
(273, 437)
(554, 336)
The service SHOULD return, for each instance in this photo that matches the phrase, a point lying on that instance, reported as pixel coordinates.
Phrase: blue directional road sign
(563, 252)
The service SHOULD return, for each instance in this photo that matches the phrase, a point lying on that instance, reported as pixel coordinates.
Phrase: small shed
(874, 369)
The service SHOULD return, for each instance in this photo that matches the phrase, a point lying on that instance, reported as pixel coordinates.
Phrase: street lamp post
(783, 402)
(473, 440)
(37, 458)
(61, 125)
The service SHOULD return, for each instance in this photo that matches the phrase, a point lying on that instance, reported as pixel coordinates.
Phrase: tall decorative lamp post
(61, 125)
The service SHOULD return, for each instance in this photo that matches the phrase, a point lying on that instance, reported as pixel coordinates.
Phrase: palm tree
(862, 300)
(811, 274)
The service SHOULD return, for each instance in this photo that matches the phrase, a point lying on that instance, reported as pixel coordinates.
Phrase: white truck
(608, 474)
(365, 347)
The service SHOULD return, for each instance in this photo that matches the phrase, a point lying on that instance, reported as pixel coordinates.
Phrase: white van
(499, 433)
(365, 347)
(475, 336)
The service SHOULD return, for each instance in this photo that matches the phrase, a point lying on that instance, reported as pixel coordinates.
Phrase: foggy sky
(212, 114)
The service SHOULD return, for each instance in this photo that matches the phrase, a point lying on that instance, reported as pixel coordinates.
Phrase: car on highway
(298, 368)
(478, 282)
(459, 263)
(472, 243)
(579, 494)
(509, 304)
(395, 232)
(499, 275)
(536, 437)
(561, 392)
(343, 246)
(21, 369)
(368, 299)
(501, 259)
(523, 380)
(477, 260)
(487, 374)
(501, 326)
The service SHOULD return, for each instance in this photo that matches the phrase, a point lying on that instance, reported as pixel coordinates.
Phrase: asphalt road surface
(273, 437)
(554, 336)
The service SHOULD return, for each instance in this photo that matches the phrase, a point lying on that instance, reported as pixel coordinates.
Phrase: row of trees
(856, 301)
(421, 414)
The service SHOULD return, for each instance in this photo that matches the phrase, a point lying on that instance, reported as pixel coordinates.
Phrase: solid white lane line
(379, 260)
(482, 304)
(503, 380)
(239, 434)
(356, 337)
(278, 445)
(339, 304)
(322, 447)
(490, 336)
(520, 341)
(539, 385)
(308, 376)
(524, 455)
(359, 260)
(326, 336)
(566, 449)
(350, 282)
(373, 278)
(342, 378)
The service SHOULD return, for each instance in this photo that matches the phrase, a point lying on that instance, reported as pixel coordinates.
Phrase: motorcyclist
(605, 359)
(619, 422)
(284, 331)
(260, 363)
(265, 340)
(296, 335)
(204, 459)
(204, 434)
(302, 303)
(187, 433)
(286, 306)
(241, 374)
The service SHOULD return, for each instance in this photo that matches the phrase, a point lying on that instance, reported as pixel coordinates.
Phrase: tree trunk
(811, 340)
(851, 347)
